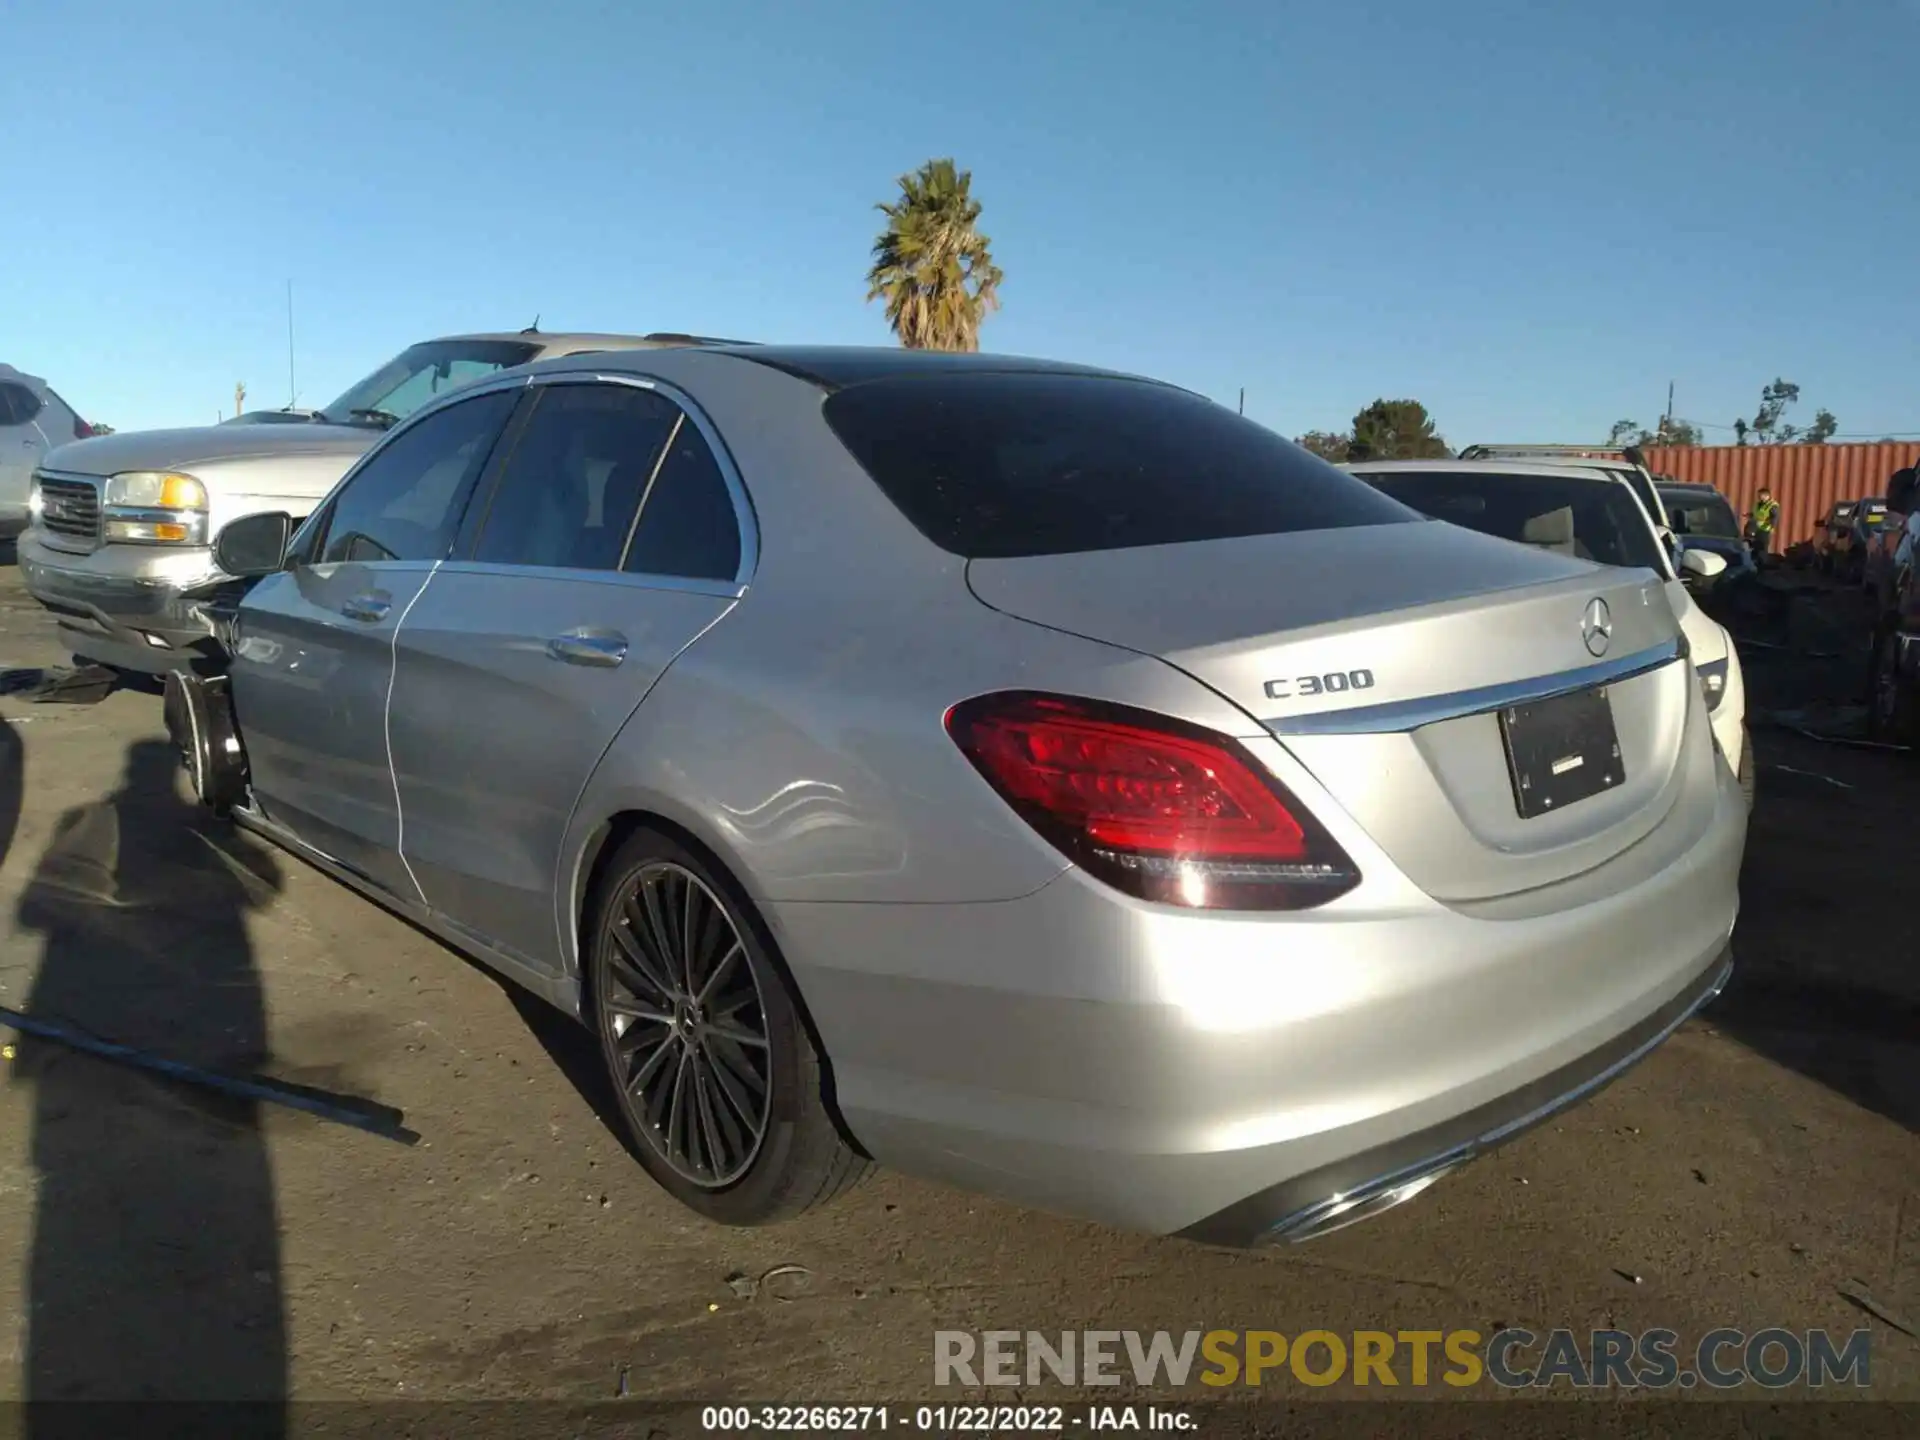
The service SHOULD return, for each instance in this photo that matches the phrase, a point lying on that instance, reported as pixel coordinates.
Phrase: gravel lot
(156, 1240)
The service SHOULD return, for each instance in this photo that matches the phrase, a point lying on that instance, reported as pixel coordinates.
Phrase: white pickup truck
(119, 531)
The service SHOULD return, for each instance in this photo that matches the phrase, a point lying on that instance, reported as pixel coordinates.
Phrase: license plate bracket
(1561, 750)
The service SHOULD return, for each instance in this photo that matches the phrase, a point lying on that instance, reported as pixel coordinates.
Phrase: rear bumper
(116, 602)
(1337, 1195)
(1221, 1075)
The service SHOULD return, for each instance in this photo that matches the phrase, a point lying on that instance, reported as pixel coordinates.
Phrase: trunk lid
(1380, 657)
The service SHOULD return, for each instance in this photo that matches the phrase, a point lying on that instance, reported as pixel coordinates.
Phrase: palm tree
(931, 264)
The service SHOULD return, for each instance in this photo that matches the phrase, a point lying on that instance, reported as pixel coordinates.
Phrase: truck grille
(70, 509)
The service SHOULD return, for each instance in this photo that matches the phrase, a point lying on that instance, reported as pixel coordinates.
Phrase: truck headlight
(155, 507)
(1713, 682)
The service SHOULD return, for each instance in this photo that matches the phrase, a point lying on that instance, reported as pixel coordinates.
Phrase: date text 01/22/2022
(943, 1419)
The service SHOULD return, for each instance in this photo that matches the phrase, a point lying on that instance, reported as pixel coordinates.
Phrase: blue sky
(1529, 217)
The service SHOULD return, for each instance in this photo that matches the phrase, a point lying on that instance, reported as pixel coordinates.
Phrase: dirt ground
(157, 1240)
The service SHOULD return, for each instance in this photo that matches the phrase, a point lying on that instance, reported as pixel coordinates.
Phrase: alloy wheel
(687, 1024)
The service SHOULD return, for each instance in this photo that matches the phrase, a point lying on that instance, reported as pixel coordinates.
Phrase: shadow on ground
(155, 1262)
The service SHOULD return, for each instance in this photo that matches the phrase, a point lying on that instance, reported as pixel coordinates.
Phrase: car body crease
(570, 954)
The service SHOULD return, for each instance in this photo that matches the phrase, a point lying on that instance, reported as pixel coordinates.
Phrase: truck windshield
(422, 373)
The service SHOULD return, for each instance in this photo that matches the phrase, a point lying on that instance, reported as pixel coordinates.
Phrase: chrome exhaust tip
(1337, 1212)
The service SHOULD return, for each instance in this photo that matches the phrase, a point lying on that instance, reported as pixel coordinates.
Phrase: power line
(1837, 435)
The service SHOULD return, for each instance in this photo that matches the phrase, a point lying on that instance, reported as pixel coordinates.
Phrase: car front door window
(405, 503)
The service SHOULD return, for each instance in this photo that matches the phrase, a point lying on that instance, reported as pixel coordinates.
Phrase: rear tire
(722, 1089)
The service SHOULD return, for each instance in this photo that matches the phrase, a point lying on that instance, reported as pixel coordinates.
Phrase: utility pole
(239, 397)
(292, 395)
(1666, 425)
(1243, 399)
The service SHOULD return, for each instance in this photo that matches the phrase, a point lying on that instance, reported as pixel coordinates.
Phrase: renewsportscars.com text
(1512, 1358)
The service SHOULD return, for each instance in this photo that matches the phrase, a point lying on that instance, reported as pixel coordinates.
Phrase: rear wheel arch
(606, 842)
(831, 1159)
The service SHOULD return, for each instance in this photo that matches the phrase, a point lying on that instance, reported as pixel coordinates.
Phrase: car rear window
(1596, 520)
(1015, 464)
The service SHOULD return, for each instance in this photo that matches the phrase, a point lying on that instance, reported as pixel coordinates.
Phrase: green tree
(1327, 445)
(1668, 432)
(1765, 426)
(1396, 430)
(1822, 429)
(932, 265)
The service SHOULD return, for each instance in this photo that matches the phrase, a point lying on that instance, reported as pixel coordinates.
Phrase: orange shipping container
(1805, 479)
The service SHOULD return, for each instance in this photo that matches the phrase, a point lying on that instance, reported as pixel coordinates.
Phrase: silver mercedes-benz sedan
(1019, 774)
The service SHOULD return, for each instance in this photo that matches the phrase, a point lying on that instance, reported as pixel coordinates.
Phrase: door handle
(603, 649)
(367, 608)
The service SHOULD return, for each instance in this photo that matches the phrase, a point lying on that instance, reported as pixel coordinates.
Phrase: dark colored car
(1828, 538)
(1870, 517)
(1701, 518)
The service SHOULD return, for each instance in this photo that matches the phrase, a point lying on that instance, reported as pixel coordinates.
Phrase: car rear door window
(406, 501)
(688, 527)
(568, 494)
(1024, 463)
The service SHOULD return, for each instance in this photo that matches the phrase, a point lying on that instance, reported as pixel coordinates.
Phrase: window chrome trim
(1402, 715)
(745, 519)
(685, 585)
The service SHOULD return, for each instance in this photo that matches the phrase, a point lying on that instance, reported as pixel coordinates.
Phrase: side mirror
(1702, 564)
(253, 545)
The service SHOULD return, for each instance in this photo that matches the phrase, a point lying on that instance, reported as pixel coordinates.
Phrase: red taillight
(1158, 808)
(81, 429)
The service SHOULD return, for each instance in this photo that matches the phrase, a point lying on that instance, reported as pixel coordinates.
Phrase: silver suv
(33, 420)
(118, 527)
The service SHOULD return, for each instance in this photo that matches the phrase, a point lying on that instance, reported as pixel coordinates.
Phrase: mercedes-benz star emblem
(1596, 627)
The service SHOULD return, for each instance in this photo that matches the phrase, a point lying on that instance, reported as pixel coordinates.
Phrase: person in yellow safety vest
(1762, 520)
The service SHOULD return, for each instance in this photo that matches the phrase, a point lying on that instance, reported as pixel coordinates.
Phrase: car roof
(565, 342)
(7, 372)
(1544, 468)
(835, 367)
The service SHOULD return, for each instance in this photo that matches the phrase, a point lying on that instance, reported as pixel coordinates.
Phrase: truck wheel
(719, 1082)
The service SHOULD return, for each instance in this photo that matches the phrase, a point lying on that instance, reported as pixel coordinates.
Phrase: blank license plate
(1561, 751)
